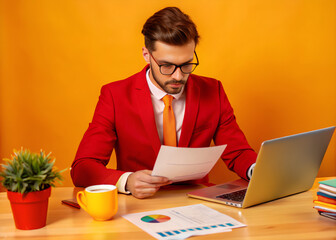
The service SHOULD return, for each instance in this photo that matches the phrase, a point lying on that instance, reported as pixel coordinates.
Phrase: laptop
(284, 166)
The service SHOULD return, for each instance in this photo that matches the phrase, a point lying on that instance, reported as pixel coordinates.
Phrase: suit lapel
(191, 110)
(146, 112)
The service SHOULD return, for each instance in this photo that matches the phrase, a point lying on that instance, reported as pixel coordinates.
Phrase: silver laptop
(284, 166)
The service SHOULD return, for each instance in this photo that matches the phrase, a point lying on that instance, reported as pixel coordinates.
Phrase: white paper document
(183, 222)
(182, 164)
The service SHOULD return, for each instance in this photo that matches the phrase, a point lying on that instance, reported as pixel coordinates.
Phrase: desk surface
(287, 218)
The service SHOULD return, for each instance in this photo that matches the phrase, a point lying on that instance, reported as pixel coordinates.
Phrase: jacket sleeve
(238, 155)
(94, 151)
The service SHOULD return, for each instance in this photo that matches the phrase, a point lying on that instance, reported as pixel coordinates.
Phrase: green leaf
(27, 171)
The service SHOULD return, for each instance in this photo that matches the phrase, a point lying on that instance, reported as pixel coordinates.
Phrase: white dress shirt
(178, 105)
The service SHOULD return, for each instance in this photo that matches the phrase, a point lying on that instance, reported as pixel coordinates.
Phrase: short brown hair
(169, 25)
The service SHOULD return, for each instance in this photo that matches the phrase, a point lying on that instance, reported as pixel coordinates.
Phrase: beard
(165, 85)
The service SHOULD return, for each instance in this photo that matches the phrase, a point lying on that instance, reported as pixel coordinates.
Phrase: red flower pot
(29, 209)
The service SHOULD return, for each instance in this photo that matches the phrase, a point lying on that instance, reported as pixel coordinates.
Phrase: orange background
(276, 60)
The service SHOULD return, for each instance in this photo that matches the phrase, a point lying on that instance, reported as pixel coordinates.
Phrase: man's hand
(142, 184)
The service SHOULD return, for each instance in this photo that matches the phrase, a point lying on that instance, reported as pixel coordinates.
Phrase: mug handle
(82, 203)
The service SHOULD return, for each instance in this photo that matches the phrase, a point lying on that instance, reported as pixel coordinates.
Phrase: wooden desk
(288, 218)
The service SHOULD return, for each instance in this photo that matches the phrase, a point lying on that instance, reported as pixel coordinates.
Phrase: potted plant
(28, 178)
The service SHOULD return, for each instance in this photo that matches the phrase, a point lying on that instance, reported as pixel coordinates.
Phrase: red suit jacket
(124, 121)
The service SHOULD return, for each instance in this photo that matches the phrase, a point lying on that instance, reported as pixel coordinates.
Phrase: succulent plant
(29, 172)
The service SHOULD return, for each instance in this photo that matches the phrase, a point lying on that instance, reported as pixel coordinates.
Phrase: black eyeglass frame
(176, 66)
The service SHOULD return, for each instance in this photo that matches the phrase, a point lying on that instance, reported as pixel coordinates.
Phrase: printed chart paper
(183, 222)
(182, 164)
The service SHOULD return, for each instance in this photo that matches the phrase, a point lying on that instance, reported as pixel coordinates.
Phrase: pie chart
(155, 218)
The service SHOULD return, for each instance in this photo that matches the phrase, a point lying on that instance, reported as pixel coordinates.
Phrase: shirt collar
(158, 93)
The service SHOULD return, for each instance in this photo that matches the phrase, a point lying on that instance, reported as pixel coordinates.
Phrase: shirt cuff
(250, 171)
(121, 184)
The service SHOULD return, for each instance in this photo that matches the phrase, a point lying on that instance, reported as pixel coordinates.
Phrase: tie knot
(167, 100)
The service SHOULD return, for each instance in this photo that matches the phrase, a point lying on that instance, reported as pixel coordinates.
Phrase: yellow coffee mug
(100, 201)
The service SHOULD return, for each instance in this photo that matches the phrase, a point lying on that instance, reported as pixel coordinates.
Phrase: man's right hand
(142, 184)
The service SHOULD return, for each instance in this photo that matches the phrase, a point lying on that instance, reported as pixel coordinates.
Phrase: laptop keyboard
(237, 196)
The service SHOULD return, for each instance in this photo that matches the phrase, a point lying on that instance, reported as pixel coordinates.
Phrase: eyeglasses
(168, 69)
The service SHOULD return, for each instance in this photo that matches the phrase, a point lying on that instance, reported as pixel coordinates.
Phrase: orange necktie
(169, 128)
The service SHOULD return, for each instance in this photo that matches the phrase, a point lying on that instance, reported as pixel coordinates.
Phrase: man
(132, 117)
